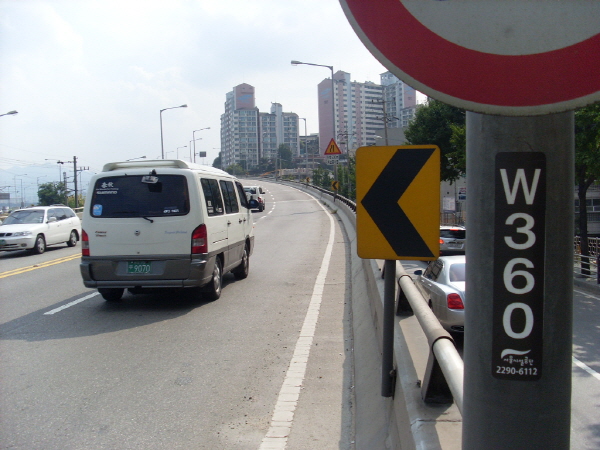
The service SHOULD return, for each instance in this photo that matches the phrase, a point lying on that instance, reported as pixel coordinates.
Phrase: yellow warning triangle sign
(332, 148)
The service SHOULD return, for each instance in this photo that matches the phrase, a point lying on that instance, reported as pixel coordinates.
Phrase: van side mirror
(252, 203)
(52, 219)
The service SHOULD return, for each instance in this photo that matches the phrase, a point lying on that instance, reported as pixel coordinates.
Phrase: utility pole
(75, 170)
(75, 179)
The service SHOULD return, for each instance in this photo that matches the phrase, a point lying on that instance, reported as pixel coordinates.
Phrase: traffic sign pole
(388, 373)
(520, 220)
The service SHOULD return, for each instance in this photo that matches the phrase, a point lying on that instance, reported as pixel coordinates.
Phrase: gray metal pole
(162, 146)
(75, 181)
(389, 298)
(518, 322)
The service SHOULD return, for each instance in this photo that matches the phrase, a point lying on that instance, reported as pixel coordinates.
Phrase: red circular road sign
(495, 57)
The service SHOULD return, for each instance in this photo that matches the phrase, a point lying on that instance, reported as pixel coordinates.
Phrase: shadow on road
(95, 316)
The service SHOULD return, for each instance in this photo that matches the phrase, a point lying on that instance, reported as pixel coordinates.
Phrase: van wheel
(111, 294)
(213, 289)
(241, 271)
(72, 242)
(40, 245)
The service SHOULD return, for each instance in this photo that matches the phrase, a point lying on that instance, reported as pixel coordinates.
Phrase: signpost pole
(520, 221)
(389, 298)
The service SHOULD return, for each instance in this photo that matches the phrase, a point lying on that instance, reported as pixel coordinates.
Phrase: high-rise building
(359, 109)
(358, 112)
(401, 100)
(239, 128)
(248, 135)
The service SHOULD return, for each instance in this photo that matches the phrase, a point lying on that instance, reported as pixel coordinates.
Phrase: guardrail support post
(434, 388)
(403, 308)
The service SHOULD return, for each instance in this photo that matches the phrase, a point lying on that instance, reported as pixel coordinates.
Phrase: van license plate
(139, 267)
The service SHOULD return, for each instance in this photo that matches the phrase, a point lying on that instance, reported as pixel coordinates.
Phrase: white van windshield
(138, 196)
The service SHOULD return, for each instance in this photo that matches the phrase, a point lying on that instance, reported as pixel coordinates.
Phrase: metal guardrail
(443, 380)
(334, 195)
(586, 266)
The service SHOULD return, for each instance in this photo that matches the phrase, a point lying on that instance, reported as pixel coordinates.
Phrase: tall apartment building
(358, 112)
(359, 109)
(278, 127)
(247, 135)
(239, 128)
(400, 98)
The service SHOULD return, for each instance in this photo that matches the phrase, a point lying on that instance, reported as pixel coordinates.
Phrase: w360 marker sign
(519, 234)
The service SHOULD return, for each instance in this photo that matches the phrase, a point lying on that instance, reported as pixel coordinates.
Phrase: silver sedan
(443, 286)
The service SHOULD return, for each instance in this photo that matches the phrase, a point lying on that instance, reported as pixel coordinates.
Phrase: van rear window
(138, 196)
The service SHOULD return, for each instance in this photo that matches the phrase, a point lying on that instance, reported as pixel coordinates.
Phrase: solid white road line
(585, 367)
(283, 414)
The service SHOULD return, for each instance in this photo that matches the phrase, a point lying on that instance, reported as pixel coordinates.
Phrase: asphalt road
(171, 370)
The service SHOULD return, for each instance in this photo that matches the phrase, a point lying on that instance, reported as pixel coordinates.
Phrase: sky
(89, 77)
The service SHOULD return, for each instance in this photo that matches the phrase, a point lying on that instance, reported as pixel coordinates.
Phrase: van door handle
(228, 223)
(240, 220)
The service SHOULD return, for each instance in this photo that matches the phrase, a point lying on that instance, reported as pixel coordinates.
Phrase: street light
(297, 63)
(133, 159)
(60, 163)
(194, 139)
(305, 144)
(162, 148)
(15, 178)
(10, 113)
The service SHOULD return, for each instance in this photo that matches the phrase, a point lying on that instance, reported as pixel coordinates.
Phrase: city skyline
(88, 81)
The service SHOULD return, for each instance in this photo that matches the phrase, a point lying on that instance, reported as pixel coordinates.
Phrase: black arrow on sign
(381, 202)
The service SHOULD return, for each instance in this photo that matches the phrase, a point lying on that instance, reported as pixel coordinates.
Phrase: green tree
(440, 124)
(217, 162)
(322, 177)
(347, 178)
(265, 165)
(235, 169)
(52, 193)
(587, 164)
(284, 153)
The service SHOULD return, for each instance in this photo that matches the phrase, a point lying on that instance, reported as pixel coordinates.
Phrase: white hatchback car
(37, 227)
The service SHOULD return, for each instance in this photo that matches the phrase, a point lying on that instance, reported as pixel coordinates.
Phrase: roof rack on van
(165, 163)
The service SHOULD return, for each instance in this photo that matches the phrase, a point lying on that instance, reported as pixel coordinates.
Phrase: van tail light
(455, 302)
(441, 241)
(199, 241)
(85, 244)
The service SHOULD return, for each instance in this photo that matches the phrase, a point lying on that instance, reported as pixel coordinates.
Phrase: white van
(164, 224)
